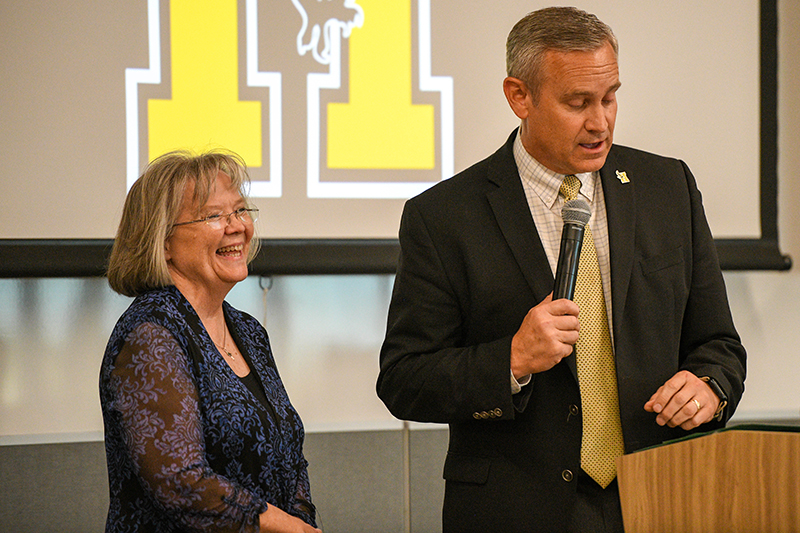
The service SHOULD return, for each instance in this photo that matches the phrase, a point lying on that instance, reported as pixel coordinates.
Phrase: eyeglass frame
(249, 211)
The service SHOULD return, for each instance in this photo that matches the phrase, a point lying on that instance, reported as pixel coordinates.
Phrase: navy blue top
(188, 445)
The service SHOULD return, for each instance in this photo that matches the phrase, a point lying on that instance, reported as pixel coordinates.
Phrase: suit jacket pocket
(659, 262)
(466, 469)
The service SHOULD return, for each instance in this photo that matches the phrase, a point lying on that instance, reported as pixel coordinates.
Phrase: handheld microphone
(576, 214)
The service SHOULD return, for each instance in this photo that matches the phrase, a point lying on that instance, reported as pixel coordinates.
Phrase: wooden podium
(740, 479)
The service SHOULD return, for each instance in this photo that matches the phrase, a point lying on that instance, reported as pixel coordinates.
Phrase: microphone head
(576, 211)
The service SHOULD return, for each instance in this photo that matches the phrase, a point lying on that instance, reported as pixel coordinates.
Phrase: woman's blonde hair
(137, 262)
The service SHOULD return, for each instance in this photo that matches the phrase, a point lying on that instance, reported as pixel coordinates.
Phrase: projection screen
(343, 109)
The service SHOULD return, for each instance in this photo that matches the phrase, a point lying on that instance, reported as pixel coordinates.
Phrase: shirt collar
(543, 181)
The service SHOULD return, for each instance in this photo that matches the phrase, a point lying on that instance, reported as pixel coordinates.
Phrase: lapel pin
(622, 177)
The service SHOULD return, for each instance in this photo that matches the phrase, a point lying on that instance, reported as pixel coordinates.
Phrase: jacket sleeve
(430, 371)
(709, 342)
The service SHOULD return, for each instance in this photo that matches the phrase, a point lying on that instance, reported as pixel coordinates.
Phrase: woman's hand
(275, 520)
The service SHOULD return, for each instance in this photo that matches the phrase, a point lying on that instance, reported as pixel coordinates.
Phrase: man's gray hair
(563, 29)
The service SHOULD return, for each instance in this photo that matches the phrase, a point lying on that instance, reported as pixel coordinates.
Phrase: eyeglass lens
(245, 215)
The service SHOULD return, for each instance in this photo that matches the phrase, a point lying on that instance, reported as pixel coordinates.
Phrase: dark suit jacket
(471, 267)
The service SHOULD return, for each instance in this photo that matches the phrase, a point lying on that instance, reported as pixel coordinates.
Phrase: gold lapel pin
(622, 177)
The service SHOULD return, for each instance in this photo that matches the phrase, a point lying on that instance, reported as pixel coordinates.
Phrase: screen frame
(26, 258)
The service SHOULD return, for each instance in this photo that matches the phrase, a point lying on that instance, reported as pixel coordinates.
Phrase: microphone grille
(576, 211)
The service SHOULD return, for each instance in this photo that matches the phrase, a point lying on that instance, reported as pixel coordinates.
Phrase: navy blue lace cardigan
(188, 446)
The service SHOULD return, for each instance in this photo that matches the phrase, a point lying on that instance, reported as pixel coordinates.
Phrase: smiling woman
(175, 185)
(207, 256)
(191, 398)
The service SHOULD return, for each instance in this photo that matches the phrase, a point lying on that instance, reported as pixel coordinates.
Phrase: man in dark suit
(475, 340)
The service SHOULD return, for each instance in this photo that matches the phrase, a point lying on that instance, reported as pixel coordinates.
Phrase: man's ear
(518, 96)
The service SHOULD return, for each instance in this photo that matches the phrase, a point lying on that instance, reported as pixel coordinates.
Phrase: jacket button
(497, 412)
(476, 415)
(566, 475)
(573, 410)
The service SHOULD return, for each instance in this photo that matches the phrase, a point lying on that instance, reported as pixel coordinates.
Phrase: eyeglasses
(247, 215)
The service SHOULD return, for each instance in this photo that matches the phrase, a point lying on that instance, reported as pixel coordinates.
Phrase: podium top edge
(764, 428)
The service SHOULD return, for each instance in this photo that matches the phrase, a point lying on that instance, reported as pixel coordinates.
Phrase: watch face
(717, 389)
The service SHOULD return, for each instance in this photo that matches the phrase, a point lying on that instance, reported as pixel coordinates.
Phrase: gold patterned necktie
(597, 377)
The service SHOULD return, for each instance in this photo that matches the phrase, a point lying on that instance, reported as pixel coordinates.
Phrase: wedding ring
(696, 403)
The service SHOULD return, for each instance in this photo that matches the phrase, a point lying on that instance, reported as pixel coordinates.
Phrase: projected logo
(378, 124)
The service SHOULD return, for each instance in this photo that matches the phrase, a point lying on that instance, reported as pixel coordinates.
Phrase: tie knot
(570, 187)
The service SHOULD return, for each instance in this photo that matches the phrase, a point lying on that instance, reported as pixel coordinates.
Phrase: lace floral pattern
(188, 446)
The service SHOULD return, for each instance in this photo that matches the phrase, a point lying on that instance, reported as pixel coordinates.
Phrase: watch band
(716, 389)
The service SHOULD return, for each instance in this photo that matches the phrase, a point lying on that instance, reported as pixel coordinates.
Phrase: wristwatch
(723, 399)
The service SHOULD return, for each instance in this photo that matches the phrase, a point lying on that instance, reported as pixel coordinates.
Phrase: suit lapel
(620, 209)
(513, 215)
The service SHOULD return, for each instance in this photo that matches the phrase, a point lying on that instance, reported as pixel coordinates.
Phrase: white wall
(766, 305)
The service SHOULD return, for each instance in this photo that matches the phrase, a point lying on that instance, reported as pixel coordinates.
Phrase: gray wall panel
(357, 480)
(53, 487)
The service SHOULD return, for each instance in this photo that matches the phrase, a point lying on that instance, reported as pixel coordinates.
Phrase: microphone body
(568, 258)
(576, 214)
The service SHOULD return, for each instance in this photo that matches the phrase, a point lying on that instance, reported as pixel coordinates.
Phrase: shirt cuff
(516, 386)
